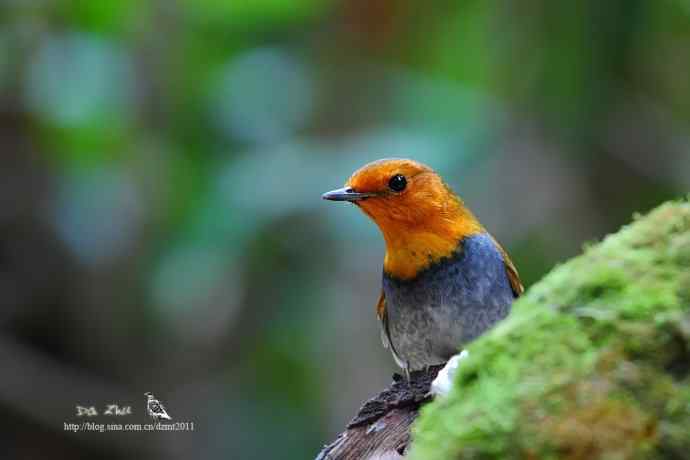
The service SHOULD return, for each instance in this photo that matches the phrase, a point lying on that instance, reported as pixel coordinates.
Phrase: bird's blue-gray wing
(385, 329)
(511, 271)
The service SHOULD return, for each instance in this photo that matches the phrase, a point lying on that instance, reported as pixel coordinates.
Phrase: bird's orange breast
(409, 252)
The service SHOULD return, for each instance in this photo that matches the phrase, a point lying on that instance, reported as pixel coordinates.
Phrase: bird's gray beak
(345, 194)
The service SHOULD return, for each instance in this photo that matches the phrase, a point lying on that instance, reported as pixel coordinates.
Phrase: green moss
(593, 362)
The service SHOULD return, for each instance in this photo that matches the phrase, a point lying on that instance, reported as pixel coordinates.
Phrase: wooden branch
(381, 428)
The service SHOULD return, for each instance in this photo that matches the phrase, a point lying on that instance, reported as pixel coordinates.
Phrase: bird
(446, 280)
(155, 409)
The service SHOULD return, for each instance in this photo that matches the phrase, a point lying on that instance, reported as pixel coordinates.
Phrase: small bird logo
(155, 409)
(446, 280)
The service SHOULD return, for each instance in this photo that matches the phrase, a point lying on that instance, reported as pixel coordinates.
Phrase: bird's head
(421, 218)
(148, 394)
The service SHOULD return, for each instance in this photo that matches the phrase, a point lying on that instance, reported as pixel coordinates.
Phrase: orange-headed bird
(446, 280)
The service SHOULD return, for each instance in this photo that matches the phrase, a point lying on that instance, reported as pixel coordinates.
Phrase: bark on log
(381, 428)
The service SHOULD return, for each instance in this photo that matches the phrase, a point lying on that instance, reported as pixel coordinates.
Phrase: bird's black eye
(397, 183)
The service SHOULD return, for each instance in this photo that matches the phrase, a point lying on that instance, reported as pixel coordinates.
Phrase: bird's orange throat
(411, 249)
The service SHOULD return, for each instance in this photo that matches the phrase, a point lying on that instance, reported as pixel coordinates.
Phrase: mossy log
(592, 363)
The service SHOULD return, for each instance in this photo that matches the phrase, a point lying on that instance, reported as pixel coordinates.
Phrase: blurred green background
(161, 227)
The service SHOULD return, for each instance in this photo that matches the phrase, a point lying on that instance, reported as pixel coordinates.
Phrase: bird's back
(448, 304)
